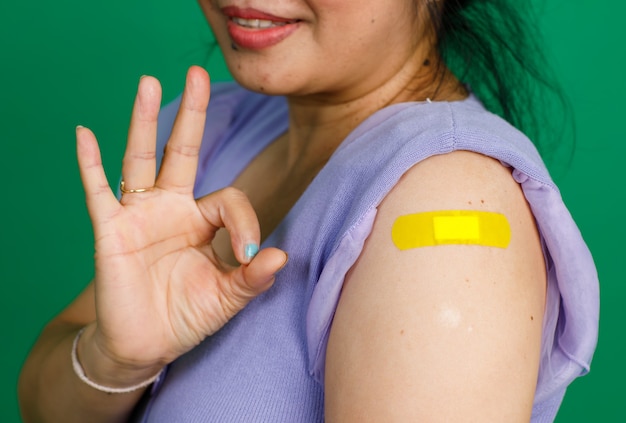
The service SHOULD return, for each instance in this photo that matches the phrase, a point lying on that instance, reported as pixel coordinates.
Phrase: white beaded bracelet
(78, 369)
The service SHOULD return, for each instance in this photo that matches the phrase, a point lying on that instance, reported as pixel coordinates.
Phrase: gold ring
(133, 191)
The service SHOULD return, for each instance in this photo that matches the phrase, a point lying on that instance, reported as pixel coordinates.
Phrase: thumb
(259, 274)
(248, 281)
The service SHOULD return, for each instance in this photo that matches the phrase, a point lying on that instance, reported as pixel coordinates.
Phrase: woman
(374, 141)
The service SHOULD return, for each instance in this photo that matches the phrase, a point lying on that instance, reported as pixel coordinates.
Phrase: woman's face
(342, 48)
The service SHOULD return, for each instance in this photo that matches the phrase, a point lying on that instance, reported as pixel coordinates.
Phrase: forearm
(50, 391)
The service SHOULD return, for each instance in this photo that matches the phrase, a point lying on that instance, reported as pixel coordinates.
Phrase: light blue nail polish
(251, 250)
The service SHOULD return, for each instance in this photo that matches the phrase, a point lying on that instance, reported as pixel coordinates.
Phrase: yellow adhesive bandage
(451, 227)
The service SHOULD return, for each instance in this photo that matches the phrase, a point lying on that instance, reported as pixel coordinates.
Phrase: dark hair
(494, 46)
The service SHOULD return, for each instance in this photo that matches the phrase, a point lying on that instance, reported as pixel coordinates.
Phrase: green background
(73, 62)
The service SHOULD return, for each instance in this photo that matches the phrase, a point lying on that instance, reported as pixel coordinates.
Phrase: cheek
(213, 18)
(219, 30)
(367, 38)
(207, 7)
(374, 22)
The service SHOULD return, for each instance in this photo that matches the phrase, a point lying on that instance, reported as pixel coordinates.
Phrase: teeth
(256, 23)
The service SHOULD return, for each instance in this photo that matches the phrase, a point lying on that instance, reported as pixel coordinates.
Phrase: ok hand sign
(160, 288)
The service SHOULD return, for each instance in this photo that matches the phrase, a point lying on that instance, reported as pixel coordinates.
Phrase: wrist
(100, 371)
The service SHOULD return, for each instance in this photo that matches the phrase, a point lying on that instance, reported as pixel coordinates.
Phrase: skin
(457, 341)
(150, 301)
(156, 293)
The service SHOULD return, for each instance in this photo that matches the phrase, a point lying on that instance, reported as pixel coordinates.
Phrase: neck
(320, 122)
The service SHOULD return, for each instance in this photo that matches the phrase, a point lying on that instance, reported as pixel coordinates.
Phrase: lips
(256, 30)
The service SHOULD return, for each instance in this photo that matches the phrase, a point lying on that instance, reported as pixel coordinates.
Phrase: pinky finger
(101, 202)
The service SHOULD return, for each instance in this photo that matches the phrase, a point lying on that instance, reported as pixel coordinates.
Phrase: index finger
(178, 171)
(230, 208)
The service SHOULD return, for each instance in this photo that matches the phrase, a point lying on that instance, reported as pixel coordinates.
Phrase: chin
(259, 86)
(257, 78)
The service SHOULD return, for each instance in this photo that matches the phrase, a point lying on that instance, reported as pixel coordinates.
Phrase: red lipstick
(255, 30)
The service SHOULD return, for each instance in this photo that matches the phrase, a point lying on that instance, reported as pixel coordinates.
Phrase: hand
(160, 288)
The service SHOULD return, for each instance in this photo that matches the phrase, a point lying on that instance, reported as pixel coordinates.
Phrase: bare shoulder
(453, 178)
(445, 332)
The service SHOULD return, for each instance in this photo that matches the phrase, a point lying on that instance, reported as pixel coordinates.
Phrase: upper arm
(444, 333)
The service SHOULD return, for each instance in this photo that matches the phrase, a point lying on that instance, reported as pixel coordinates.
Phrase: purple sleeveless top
(267, 363)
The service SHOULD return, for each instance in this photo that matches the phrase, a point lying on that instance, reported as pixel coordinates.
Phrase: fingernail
(250, 250)
(285, 263)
